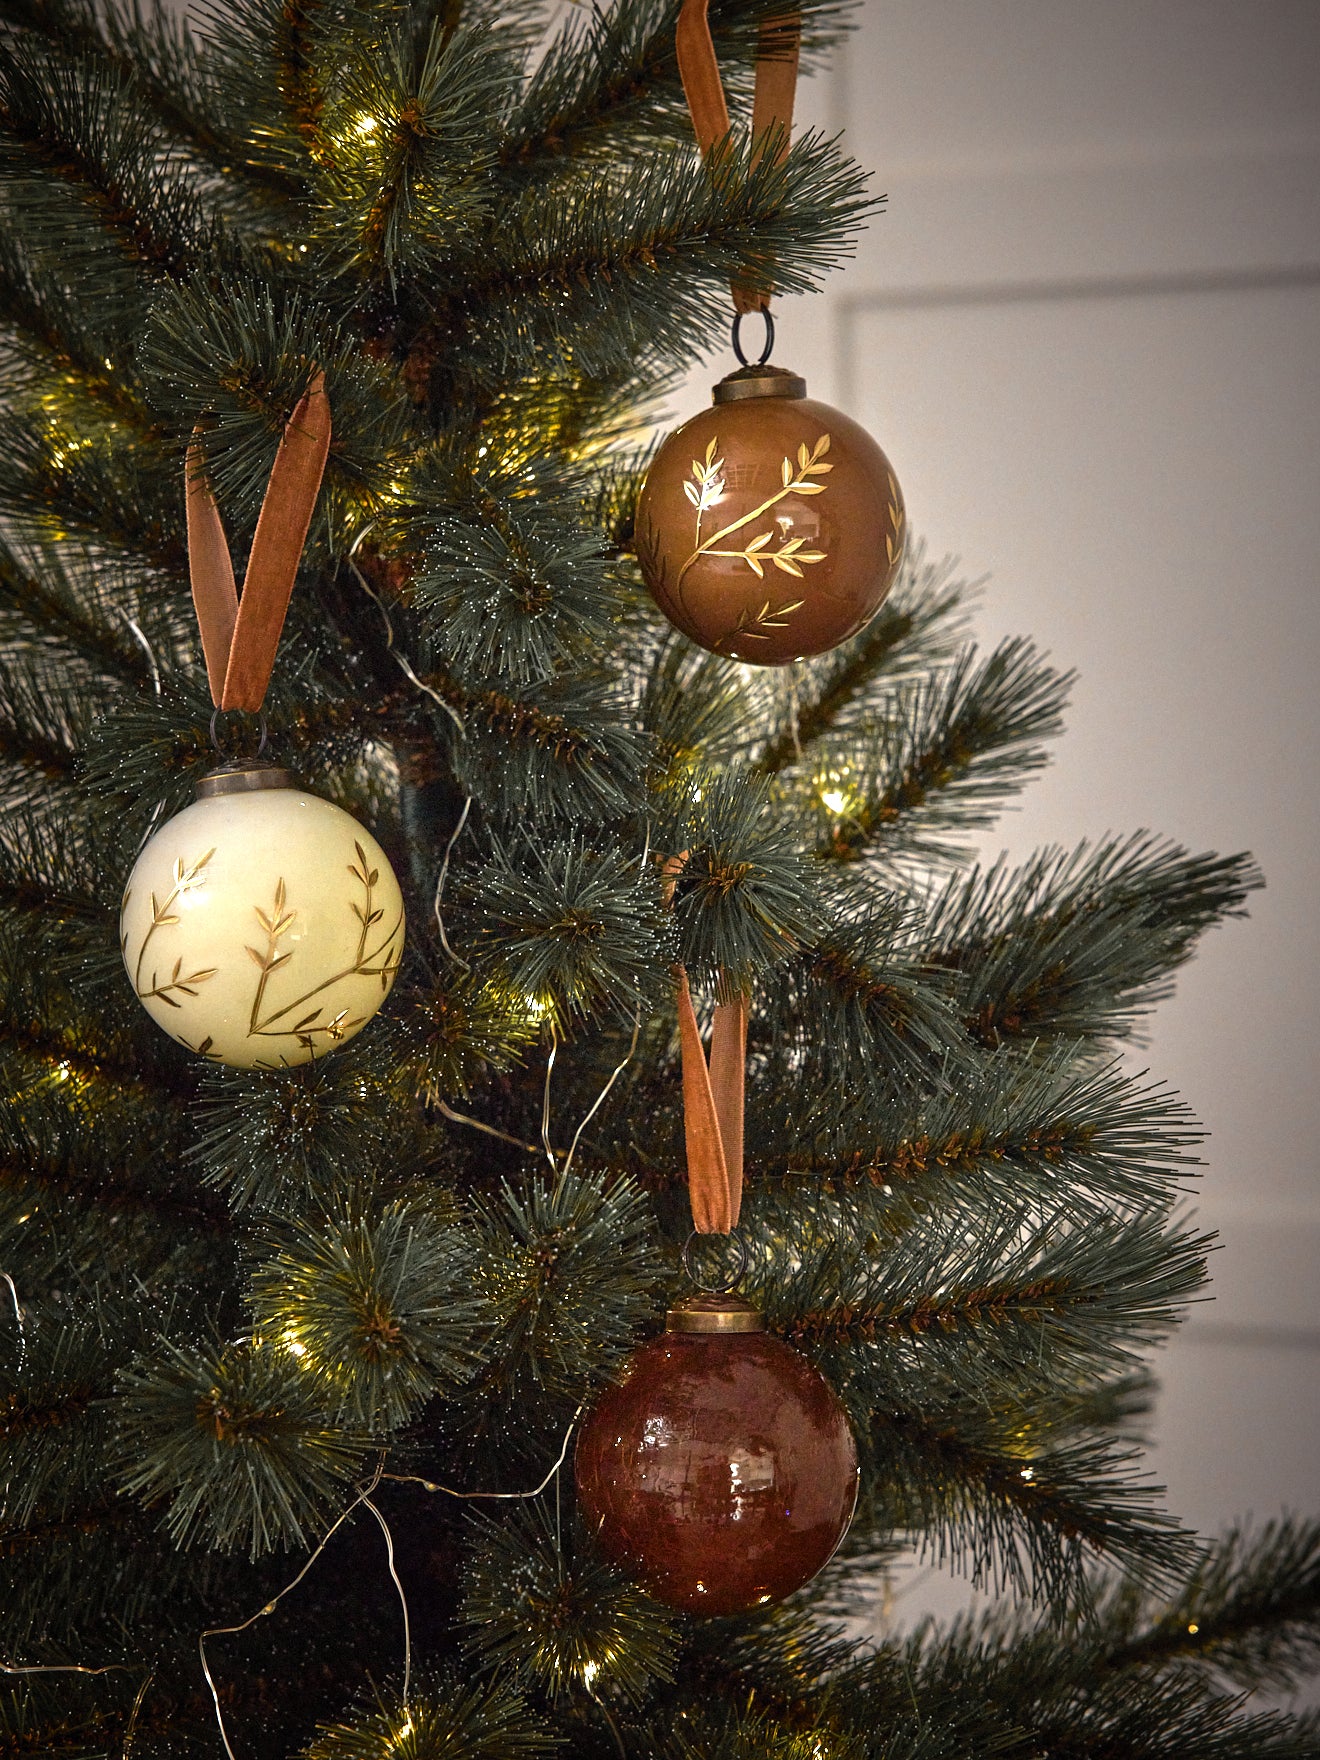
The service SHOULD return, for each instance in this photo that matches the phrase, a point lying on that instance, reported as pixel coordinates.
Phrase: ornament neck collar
(759, 381)
(244, 776)
(714, 1311)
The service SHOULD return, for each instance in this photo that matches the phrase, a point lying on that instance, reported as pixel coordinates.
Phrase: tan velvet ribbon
(772, 102)
(240, 636)
(712, 1099)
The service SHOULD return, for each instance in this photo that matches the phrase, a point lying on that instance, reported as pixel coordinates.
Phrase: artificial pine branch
(68, 130)
(1079, 943)
(240, 1292)
(1031, 1133)
(1249, 1615)
(36, 591)
(919, 623)
(953, 748)
(157, 55)
(603, 270)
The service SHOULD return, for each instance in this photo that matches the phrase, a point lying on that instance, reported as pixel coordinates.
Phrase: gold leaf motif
(809, 464)
(374, 963)
(753, 628)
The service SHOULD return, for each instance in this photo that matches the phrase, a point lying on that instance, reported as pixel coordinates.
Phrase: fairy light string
(19, 1318)
(240, 637)
(364, 1498)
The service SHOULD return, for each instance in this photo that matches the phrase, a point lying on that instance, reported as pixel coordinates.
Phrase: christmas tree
(292, 1360)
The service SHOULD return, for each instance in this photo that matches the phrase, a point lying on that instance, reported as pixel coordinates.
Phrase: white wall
(1087, 332)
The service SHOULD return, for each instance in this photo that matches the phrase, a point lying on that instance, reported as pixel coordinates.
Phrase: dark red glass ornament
(720, 1472)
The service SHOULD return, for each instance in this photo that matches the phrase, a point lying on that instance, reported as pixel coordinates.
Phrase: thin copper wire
(131, 1725)
(64, 1668)
(494, 1496)
(403, 1599)
(147, 649)
(400, 660)
(440, 885)
(273, 1603)
(604, 1093)
(19, 1317)
(489, 1129)
(545, 1105)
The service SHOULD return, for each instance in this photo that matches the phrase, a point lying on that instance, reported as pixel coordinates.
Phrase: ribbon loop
(713, 1097)
(240, 637)
(215, 597)
(778, 45)
(709, 1188)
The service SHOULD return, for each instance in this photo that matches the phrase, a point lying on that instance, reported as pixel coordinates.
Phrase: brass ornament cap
(262, 926)
(770, 527)
(714, 1311)
(243, 777)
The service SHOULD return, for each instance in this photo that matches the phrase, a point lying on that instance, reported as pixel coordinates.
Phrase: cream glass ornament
(262, 926)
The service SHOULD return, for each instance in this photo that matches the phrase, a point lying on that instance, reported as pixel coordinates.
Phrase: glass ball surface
(262, 929)
(720, 1473)
(770, 528)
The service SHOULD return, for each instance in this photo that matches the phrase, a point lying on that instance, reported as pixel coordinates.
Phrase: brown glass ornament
(720, 1472)
(770, 526)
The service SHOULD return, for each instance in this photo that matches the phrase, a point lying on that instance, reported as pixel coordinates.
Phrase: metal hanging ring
(261, 728)
(767, 348)
(723, 1286)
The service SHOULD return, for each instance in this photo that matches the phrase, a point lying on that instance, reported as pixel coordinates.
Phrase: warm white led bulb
(262, 926)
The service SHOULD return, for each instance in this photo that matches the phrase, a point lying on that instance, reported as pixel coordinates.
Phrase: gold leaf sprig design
(790, 556)
(376, 956)
(270, 958)
(380, 961)
(164, 916)
(186, 986)
(757, 626)
(709, 485)
(895, 535)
